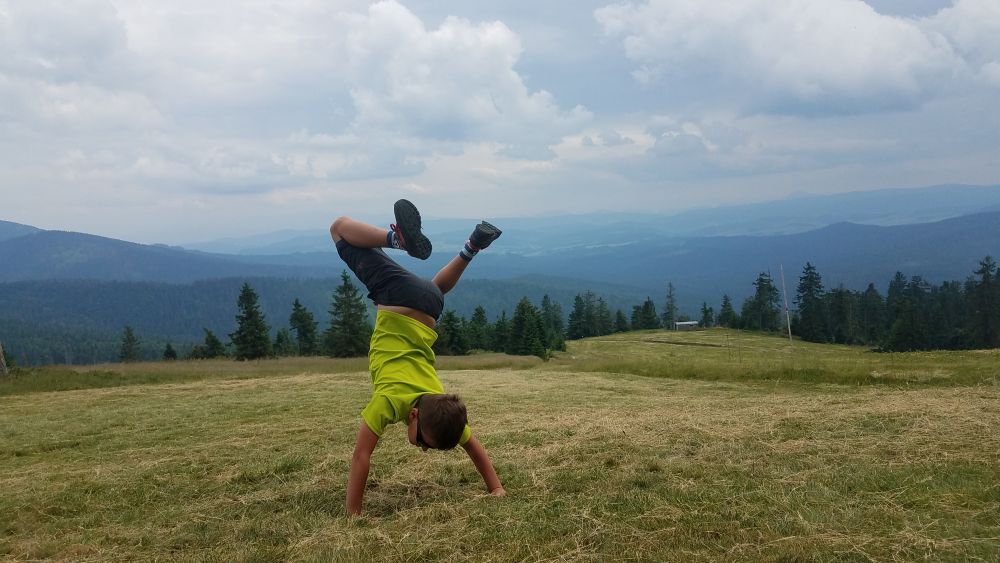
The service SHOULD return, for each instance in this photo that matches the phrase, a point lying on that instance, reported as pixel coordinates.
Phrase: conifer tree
(985, 306)
(552, 320)
(579, 325)
(727, 315)
(526, 331)
(480, 334)
(349, 332)
(812, 316)
(670, 307)
(894, 297)
(909, 331)
(501, 333)
(452, 340)
(251, 340)
(842, 315)
(948, 322)
(707, 316)
(644, 316)
(760, 312)
(214, 348)
(169, 354)
(283, 344)
(303, 325)
(130, 346)
(871, 315)
(621, 322)
(603, 323)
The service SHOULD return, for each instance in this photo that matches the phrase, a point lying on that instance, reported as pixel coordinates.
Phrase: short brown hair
(443, 416)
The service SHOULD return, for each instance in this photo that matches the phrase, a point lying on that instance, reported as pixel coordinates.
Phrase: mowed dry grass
(599, 466)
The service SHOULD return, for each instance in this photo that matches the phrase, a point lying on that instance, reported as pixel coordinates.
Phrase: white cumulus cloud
(456, 82)
(828, 56)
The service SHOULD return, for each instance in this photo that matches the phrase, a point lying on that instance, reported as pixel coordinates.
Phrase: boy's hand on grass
(498, 492)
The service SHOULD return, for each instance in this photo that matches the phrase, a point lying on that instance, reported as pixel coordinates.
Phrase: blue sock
(469, 252)
(392, 240)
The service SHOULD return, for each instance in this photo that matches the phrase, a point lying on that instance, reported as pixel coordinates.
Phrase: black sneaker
(408, 225)
(484, 234)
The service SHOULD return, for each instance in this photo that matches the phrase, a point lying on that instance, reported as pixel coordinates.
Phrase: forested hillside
(41, 316)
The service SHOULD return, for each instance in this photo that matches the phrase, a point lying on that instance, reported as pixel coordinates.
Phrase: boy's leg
(360, 247)
(447, 277)
(358, 233)
(481, 237)
(404, 234)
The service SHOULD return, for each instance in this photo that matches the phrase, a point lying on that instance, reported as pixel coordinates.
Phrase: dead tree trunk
(3, 362)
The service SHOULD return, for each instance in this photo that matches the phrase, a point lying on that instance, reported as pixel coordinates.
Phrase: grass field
(651, 446)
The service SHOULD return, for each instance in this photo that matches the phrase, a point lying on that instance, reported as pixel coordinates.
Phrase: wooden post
(3, 362)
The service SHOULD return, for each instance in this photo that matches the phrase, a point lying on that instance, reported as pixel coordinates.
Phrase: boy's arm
(363, 449)
(477, 453)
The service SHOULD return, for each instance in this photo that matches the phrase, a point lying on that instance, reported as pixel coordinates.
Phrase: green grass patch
(228, 461)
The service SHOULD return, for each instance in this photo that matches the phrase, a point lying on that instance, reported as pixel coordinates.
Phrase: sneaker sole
(408, 222)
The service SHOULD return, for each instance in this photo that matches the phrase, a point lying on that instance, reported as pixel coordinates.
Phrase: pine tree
(480, 334)
(169, 354)
(894, 297)
(760, 312)
(283, 344)
(621, 322)
(644, 316)
(501, 333)
(303, 325)
(812, 315)
(526, 331)
(552, 321)
(871, 315)
(578, 326)
(251, 340)
(908, 332)
(649, 317)
(985, 306)
(842, 320)
(130, 346)
(670, 307)
(948, 316)
(452, 340)
(214, 348)
(349, 332)
(727, 315)
(603, 323)
(707, 316)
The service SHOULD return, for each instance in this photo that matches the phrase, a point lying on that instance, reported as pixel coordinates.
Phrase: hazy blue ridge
(9, 230)
(543, 235)
(66, 255)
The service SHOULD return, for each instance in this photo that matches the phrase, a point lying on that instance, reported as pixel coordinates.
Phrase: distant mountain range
(80, 281)
(544, 235)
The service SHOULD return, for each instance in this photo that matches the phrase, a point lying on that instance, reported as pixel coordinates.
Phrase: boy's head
(437, 421)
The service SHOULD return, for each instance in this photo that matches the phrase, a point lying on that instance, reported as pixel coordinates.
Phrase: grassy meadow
(649, 446)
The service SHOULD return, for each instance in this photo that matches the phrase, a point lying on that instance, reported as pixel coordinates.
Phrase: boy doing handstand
(400, 359)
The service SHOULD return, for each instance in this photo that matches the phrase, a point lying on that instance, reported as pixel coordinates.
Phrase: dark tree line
(531, 331)
(914, 314)
(347, 335)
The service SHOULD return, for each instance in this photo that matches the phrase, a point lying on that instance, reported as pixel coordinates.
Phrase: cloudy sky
(189, 120)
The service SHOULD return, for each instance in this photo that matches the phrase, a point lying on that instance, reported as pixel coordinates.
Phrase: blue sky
(190, 120)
